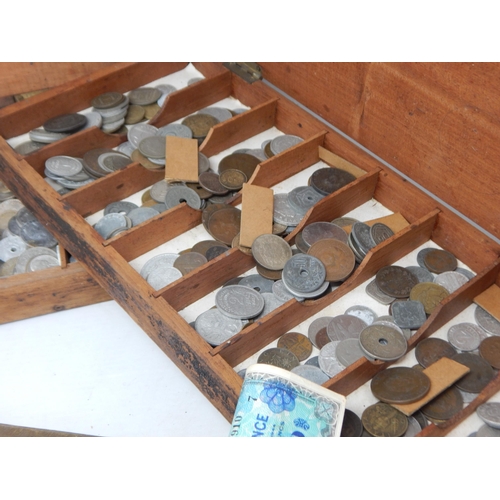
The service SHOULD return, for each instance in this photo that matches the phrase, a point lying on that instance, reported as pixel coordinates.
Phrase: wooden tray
(157, 312)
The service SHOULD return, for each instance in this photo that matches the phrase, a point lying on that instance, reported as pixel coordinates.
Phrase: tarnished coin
(481, 372)
(284, 142)
(451, 280)
(380, 232)
(109, 224)
(151, 110)
(215, 251)
(215, 327)
(107, 100)
(464, 336)
(269, 273)
(468, 274)
(382, 420)
(134, 114)
(300, 244)
(490, 414)
(409, 314)
(364, 313)
(282, 358)
(445, 405)
(119, 207)
(302, 198)
(271, 302)
(351, 425)
(396, 281)
(141, 214)
(177, 194)
(91, 162)
(271, 251)
(144, 96)
(42, 262)
(361, 234)
(297, 343)
(348, 352)
(283, 212)
(423, 275)
(375, 293)
(317, 231)
(328, 360)
(35, 234)
(312, 373)
(345, 326)
(138, 157)
(200, 124)
(189, 261)
(223, 225)
(28, 147)
(158, 261)
(209, 210)
(383, 342)
(336, 256)
(430, 350)
(439, 261)
(113, 161)
(489, 349)
(67, 123)
(430, 294)
(210, 181)
(486, 321)
(239, 161)
(345, 221)
(238, 301)
(44, 137)
(153, 147)
(329, 179)
(232, 179)
(303, 274)
(400, 385)
(313, 361)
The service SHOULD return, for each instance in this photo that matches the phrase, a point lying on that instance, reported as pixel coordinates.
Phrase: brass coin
(271, 251)
(187, 262)
(149, 203)
(445, 405)
(211, 183)
(134, 114)
(279, 229)
(337, 257)
(283, 358)
(382, 420)
(224, 225)
(481, 372)
(243, 162)
(232, 179)
(395, 281)
(351, 425)
(489, 349)
(430, 350)
(400, 385)
(200, 124)
(236, 244)
(297, 343)
(150, 110)
(268, 273)
(439, 261)
(430, 294)
(138, 157)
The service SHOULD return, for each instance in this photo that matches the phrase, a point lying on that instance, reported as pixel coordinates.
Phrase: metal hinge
(250, 72)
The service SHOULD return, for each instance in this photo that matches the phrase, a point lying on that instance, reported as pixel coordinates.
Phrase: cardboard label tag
(181, 159)
(489, 300)
(257, 207)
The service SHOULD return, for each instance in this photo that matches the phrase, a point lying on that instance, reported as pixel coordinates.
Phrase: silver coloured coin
(409, 314)
(110, 223)
(265, 143)
(113, 161)
(375, 293)
(203, 163)
(258, 283)
(364, 313)
(29, 254)
(221, 114)
(316, 326)
(109, 128)
(413, 427)
(303, 274)
(153, 147)
(383, 342)
(451, 280)
(284, 142)
(302, 198)
(312, 373)
(139, 132)
(42, 262)
(35, 234)
(486, 321)
(119, 207)
(63, 165)
(344, 327)
(73, 184)
(178, 194)
(465, 336)
(163, 276)
(158, 261)
(126, 148)
(490, 414)
(348, 352)
(313, 361)
(159, 190)
(271, 251)
(258, 153)
(310, 295)
(11, 247)
(215, 327)
(421, 255)
(345, 221)
(361, 235)
(271, 302)
(175, 130)
(141, 214)
(323, 230)
(240, 302)
(358, 253)
(144, 96)
(283, 212)
(113, 115)
(28, 147)
(94, 119)
(468, 397)
(194, 80)
(488, 431)
(282, 292)
(328, 361)
(422, 274)
(41, 135)
(161, 161)
(468, 274)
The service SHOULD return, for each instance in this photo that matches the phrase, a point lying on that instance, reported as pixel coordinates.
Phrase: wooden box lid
(438, 123)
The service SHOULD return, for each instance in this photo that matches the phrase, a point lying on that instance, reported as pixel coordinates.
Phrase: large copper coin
(481, 372)
(337, 257)
(224, 225)
(396, 281)
(239, 161)
(445, 405)
(283, 358)
(351, 425)
(489, 349)
(209, 210)
(430, 294)
(400, 385)
(297, 343)
(382, 420)
(200, 124)
(430, 350)
(329, 179)
(439, 261)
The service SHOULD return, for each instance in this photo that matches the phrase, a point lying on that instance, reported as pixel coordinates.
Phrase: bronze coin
(329, 179)
(90, 162)
(271, 251)
(283, 358)
(239, 161)
(430, 294)
(279, 229)
(445, 405)
(138, 157)
(430, 350)
(382, 420)
(187, 262)
(236, 244)
(268, 273)
(232, 179)
(351, 425)
(224, 225)
(146, 196)
(489, 349)
(297, 343)
(400, 385)
(396, 281)
(134, 114)
(440, 261)
(337, 257)
(481, 372)
(209, 210)
(200, 124)
(210, 181)
(322, 338)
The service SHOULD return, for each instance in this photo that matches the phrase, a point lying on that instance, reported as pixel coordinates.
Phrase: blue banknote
(277, 403)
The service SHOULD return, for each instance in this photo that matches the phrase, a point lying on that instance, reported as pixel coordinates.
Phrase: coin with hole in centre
(383, 342)
(400, 385)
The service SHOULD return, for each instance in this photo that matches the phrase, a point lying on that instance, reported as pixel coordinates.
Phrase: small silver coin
(11, 247)
(21, 265)
(364, 313)
(94, 119)
(313, 361)
(163, 276)
(283, 294)
(328, 360)
(42, 262)
(465, 336)
(179, 194)
(409, 314)
(283, 212)
(238, 301)
(162, 260)
(414, 427)
(383, 342)
(35, 234)
(175, 130)
(468, 274)
(110, 223)
(141, 214)
(109, 128)
(490, 414)
(258, 153)
(323, 230)
(310, 295)
(348, 352)
(422, 274)
(276, 356)
(303, 274)
(375, 293)
(139, 132)
(451, 280)
(63, 165)
(486, 321)
(284, 142)
(312, 373)
(215, 327)
(258, 283)
(28, 147)
(126, 148)
(159, 190)
(302, 198)
(119, 207)
(344, 327)
(41, 135)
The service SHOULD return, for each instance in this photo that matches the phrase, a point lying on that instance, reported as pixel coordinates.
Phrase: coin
(400, 385)
(35, 234)
(113, 161)
(328, 360)
(303, 274)
(151, 110)
(348, 352)
(232, 179)
(67, 123)
(238, 301)
(215, 251)
(223, 225)
(351, 425)
(297, 343)
(489, 349)
(283, 212)
(336, 256)
(330, 179)
(210, 181)
(317, 231)
(282, 293)
(268, 273)
(222, 114)
(138, 132)
(364, 313)
(312, 373)
(382, 420)
(189, 261)
(464, 336)
(177, 194)
(257, 282)
(144, 96)
(480, 373)
(134, 114)
(420, 256)
(409, 314)
(430, 294)
(430, 350)
(141, 214)
(163, 276)
(284, 142)
(490, 414)
(439, 261)
(158, 261)
(380, 232)
(63, 165)
(216, 328)
(281, 358)
(176, 130)
(345, 326)
(423, 275)
(91, 162)
(107, 100)
(302, 198)
(486, 321)
(383, 342)
(271, 251)
(396, 281)
(243, 162)
(445, 405)
(153, 147)
(488, 431)
(375, 293)
(451, 280)
(200, 124)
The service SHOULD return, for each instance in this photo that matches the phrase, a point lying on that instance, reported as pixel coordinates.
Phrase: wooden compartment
(159, 313)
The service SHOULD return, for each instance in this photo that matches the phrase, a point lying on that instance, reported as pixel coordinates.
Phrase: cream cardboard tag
(256, 213)
(181, 159)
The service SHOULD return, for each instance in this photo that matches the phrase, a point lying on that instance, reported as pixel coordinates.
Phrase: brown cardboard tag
(181, 159)
(443, 374)
(489, 300)
(256, 213)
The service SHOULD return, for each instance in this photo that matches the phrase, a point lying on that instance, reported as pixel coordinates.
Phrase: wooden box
(395, 110)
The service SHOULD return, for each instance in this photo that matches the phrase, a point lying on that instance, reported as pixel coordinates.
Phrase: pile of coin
(489, 413)
(58, 127)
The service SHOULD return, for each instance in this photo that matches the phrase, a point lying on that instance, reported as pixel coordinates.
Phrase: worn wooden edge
(19, 431)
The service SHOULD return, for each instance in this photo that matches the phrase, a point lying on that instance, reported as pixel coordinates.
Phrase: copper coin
(400, 385)
(396, 281)
(330, 179)
(430, 350)
(439, 261)
(481, 372)
(268, 273)
(283, 358)
(187, 262)
(351, 425)
(489, 349)
(430, 294)
(200, 124)
(91, 164)
(239, 161)
(445, 405)
(337, 257)
(271, 251)
(210, 181)
(224, 225)
(297, 343)
(382, 420)
(318, 231)
(322, 338)
(232, 179)
(318, 325)
(209, 210)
